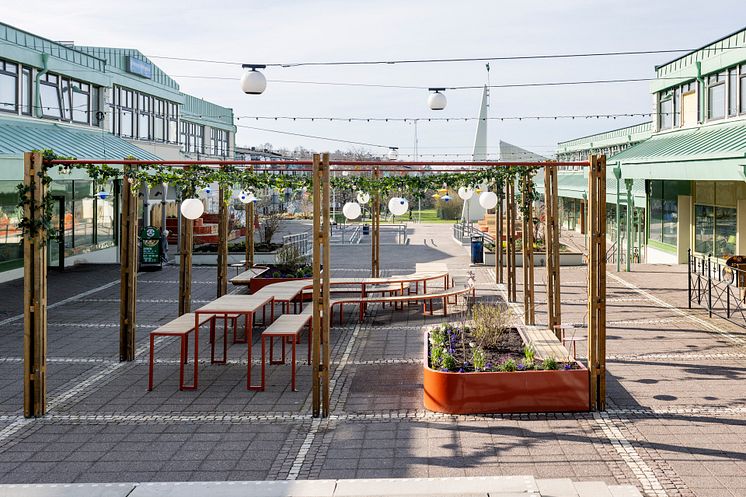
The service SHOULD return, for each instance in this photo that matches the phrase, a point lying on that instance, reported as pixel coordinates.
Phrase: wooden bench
(180, 327)
(288, 328)
(545, 343)
(445, 296)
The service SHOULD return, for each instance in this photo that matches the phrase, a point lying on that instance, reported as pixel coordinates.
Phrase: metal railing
(346, 234)
(718, 287)
(463, 231)
(300, 241)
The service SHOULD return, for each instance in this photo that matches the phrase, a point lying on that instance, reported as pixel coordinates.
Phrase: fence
(464, 231)
(300, 241)
(718, 287)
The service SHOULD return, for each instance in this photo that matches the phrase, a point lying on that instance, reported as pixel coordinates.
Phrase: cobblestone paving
(675, 424)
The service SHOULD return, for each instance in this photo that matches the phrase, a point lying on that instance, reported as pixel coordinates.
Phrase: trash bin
(477, 249)
(366, 229)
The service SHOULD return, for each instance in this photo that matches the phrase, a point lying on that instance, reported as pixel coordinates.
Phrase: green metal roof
(20, 135)
(724, 140)
(709, 152)
(620, 136)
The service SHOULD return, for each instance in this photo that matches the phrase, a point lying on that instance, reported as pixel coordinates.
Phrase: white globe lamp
(351, 210)
(488, 200)
(398, 206)
(253, 82)
(192, 208)
(393, 153)
(465, 193)
(436, 100)
(363, 197)
(244, 197)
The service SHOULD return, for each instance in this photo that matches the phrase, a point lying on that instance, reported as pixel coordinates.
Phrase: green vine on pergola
(189, 180)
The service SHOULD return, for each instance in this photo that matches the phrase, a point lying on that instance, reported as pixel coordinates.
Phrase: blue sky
(288, 31)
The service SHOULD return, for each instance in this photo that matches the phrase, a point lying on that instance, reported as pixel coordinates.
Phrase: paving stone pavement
(675, 424)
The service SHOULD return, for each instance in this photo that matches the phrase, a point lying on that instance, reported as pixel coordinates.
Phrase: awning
(21, 135)
(710, 152)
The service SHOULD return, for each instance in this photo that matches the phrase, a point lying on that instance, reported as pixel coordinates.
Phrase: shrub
(529, 355)
(490, 322)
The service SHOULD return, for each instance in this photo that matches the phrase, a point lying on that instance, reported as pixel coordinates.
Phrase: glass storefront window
(11, 250)
(105, 216)
(83, 216)
(725, 231)
(704, 227)
(664, 210)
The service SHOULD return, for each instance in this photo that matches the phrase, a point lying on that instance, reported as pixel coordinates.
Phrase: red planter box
(518, 392)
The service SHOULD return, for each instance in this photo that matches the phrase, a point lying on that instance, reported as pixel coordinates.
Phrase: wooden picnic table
(240, 305)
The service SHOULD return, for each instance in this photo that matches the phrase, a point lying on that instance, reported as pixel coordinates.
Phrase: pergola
(35, 201)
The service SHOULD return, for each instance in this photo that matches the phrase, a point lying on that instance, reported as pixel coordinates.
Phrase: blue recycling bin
(477, 249)
(366, 229)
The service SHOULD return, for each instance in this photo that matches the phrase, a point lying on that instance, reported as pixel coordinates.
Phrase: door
(56, 255)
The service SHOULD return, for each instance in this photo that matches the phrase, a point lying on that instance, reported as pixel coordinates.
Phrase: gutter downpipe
(701, 91)
(37, 95)
(618, 175)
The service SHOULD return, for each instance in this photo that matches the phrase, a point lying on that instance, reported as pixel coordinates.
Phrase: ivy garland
(189, 180)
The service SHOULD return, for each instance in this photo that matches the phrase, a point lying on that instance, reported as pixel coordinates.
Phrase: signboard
(150, 254)
(139, 67)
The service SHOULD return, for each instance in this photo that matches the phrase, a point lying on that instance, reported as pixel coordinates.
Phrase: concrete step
(592, 489)
(557, 487)
(624, 491)
(488, 486)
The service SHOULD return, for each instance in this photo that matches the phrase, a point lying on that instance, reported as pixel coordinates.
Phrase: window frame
(15, 75)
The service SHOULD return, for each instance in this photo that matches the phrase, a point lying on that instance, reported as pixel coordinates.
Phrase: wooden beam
(551, 243)
(128, 272)
(499, 233)
(317, 303)
(596, 209)
(249, 263)
(325, 280)
(527, 244)
(222, 242)
(186, 233)
(375, 241)
(34, 291)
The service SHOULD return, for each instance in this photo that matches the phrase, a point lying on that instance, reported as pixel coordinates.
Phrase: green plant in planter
(478, 357)
(529, 356)
(490, 322)
(549, 364)
(508, 366)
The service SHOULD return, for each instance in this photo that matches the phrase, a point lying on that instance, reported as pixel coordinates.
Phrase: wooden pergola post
(320, 325)
(249, 260)
(186, 234)
(128, 272)
(597, 281)
(34, 291)
(511, 219)
(375, 236)
(527, 245)
(222, 243)
(551, 243)
(499, 233)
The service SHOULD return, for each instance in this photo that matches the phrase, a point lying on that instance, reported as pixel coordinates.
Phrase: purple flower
(488, 365)
(460, 370)
(521, 367)
(568, 366)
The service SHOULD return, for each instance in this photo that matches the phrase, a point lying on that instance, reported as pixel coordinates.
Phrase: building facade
(691, 171)
(97, 103)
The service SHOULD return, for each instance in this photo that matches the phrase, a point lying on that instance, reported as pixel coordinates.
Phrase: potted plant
(485, 366)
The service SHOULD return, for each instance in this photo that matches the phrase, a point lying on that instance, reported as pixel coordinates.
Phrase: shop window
(26, 92)
(716, 96)
(106, 216)
(725, 231)
(664, 212)
(49, 90)
(8, 87)
(665, 118)
(11, 250)
(704, 228)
